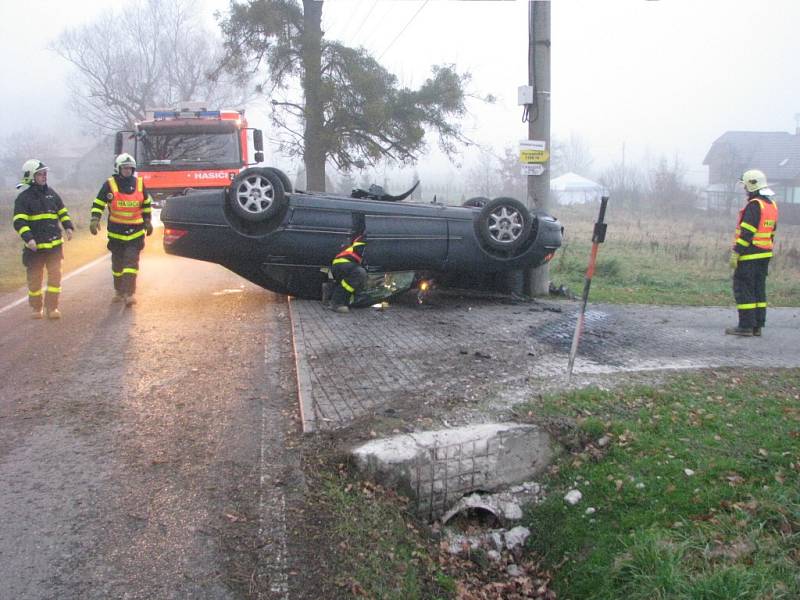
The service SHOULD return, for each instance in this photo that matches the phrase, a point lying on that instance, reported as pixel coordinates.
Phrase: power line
(404, 28)
(364, 20)
(370, 33)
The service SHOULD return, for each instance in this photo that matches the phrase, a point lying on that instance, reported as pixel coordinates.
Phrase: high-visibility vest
(124, 208)
(352, 253)
(763, 235)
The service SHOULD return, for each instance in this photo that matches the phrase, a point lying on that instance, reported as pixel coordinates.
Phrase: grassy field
(695, 496)
(657, 261)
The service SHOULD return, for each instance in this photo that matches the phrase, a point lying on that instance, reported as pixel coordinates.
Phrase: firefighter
(752, 249)
(347, 268)
(129, 220)
(39, 216)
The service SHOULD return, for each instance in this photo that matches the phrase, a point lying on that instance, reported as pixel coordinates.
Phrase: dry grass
(666, 260)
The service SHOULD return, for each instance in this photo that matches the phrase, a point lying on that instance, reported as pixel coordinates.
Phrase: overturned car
(281, 239)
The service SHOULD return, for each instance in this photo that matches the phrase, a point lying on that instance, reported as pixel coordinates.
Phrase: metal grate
(446, 473)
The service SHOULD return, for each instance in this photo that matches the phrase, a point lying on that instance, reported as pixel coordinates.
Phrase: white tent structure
(571, 188)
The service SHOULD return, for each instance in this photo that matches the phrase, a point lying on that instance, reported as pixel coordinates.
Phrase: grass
(694, 495)
(697, 495)
(650, 260)
(380, 553)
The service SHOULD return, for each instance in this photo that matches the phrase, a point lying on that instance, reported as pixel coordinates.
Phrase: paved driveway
(463, 350)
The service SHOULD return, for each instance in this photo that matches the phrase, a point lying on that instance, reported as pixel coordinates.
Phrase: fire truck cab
(179, 150)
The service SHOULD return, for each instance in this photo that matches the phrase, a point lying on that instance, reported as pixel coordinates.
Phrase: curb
(301, 370)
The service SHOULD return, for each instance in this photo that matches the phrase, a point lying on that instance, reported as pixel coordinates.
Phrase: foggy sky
(663, 78)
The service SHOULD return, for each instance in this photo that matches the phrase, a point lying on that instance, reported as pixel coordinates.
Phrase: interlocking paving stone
(355, 364)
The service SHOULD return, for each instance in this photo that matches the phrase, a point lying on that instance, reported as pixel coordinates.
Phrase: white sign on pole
(532, 169)
(533, 151)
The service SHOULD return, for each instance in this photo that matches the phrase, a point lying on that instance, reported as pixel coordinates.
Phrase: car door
(405, 238)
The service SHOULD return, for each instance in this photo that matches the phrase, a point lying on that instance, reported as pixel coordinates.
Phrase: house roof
(573, 181)
(777, 153)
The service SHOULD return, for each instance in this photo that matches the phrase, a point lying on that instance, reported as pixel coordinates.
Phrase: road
(144, 451)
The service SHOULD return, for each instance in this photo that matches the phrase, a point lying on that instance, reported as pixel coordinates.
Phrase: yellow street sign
(529, 157)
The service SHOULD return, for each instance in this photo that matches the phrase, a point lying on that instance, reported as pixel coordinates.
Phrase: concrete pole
(537, 281)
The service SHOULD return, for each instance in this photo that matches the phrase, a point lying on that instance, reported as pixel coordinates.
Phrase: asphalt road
(143, 451)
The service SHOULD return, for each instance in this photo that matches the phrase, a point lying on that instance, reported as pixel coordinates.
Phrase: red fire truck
(182, 149)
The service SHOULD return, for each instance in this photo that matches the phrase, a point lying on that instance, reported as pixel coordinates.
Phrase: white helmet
(124, 160)
(31, 168)
(755, 181)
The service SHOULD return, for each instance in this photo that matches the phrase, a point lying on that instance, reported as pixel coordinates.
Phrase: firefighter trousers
(35, 264)
(350, 280)
(125, 264)
(750, 292)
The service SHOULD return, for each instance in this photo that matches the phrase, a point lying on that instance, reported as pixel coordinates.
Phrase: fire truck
(183, 149)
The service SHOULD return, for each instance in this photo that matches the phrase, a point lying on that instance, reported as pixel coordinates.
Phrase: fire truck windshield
(162, 148)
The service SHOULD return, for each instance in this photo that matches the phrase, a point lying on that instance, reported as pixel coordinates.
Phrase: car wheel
(256, 194)
(504, 223)
(287, 185)
(476, 202)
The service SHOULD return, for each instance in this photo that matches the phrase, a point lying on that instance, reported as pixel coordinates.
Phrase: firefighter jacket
(129, 207)
(755, 230)
(39, 214)
(353, 252)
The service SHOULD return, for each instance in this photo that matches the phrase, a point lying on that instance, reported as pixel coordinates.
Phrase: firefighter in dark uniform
(347, 268)
(129, 220)
(39, 216)
(752, 249)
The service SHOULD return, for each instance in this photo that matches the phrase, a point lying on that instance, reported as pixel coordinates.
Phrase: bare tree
(21, 145)
(625, 184)
(512, 182)
(151, 53)
(484, 179)
(668, 190)
(571, 156)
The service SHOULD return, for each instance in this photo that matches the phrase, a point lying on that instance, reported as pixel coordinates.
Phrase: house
(777, 153)
(571, 188)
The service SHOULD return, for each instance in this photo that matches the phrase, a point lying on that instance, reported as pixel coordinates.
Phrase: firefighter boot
(130, 300)
(118, 297)
(53, 313)
(38, 313)
(341, 309)
(740, 331)
(757, 331)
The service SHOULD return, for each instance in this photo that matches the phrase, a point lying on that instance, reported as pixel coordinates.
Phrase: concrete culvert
(485, 510)
(437, 468)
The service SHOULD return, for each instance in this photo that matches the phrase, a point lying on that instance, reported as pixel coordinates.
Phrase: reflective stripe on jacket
(755, 242)
(354, 252)
(126, 209)
(40, 214)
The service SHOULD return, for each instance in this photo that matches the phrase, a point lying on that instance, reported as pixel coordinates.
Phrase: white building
(571, 188)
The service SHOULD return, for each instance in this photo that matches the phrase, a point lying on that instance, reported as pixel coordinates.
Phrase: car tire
(287, 184)
(257, 194)
(476, 202)
(504, 224)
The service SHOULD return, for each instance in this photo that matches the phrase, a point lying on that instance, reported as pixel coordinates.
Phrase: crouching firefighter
(129, 220)
(39, 217)
(348, 269)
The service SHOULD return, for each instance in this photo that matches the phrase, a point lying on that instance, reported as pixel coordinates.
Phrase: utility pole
(537, 281)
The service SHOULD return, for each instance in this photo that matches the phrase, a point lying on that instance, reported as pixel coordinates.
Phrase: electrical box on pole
(525, 95)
